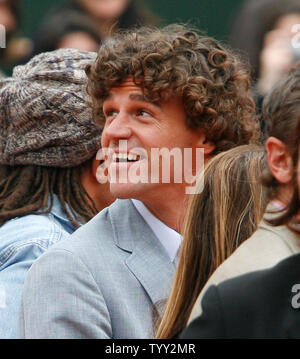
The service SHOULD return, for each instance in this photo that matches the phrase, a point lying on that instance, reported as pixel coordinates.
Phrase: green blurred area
(214, 17)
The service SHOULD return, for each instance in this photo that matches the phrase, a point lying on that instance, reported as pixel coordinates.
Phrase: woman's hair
(29, 189)
(223, 215)
(177, 61)
(281, 114)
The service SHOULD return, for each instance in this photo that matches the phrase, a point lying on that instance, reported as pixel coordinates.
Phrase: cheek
(104, 139)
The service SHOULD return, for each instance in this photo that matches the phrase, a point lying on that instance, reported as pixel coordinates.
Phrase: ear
(279, 160)
(208, 146)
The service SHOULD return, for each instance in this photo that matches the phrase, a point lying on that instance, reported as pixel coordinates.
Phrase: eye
(110, 113)
(144, 113)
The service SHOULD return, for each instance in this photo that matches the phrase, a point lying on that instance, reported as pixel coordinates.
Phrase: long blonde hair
(218, 220)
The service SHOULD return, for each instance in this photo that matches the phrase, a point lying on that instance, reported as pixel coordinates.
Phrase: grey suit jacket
(103, 282)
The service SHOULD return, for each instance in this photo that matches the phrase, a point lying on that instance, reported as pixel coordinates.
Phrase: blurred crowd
(263, 31)
(80, 24)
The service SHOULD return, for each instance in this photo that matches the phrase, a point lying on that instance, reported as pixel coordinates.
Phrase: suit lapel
(148, 261)
(152, 268)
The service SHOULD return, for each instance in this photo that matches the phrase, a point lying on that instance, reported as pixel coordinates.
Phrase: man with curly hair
(167, 89)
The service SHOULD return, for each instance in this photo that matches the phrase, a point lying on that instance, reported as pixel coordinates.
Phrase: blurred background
(265, 32)
(214, 17)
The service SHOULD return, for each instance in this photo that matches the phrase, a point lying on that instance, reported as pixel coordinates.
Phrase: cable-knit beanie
(44, 116)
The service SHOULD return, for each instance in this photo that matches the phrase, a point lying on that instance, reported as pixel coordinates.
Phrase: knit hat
(44, 115)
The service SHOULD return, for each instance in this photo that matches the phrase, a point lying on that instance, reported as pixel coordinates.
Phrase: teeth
(125, 156)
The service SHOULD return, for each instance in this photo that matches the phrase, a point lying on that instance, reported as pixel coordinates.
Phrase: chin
(127, 190)
(121, 190)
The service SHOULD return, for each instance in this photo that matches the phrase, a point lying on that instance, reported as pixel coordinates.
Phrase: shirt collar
(57, 211)
(169, 238)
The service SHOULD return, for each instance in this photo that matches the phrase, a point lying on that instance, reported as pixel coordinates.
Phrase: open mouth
(125, 157)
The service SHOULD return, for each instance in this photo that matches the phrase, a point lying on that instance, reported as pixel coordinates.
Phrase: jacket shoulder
(40, 231)
(264, 249)
(253, 304)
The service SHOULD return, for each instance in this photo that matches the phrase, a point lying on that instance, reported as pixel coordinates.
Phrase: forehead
(132, 92)
(126, 87)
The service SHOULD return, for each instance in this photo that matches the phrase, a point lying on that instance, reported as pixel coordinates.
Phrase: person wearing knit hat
(48, 185)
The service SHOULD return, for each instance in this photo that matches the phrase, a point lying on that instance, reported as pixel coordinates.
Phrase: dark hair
(51, 31)
(281, 113)
(137, 14)
(29, 189)
(70, 17)
(254, 19)
(176, 60)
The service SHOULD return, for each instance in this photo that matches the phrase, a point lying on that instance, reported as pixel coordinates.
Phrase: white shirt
(169, 238)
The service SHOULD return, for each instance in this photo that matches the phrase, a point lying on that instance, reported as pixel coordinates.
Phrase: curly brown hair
(176, 60)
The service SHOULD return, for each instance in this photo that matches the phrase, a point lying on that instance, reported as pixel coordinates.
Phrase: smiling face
(139, 126)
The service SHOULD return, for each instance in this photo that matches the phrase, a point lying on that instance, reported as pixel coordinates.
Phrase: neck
(101, 195)
(170, 212)
(284, 196)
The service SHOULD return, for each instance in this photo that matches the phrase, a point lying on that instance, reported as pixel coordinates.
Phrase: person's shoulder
(265, 282)
(264, 293)
(267, 237)
(265, 248)
(32, 227)
(102, 223)
(251, 305)
(99, 231)
(23, 234)
(95, 227)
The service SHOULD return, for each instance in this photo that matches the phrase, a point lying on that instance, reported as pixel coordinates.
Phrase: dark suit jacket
(262, 304)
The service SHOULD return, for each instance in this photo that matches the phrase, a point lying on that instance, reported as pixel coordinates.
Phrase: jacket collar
(291, 238)
(57, 212)
(148, 261)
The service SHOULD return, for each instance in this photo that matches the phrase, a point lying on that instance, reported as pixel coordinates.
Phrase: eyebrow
(137, 97)
(143, 98)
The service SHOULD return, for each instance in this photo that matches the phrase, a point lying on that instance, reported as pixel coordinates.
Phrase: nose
(118, 129)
